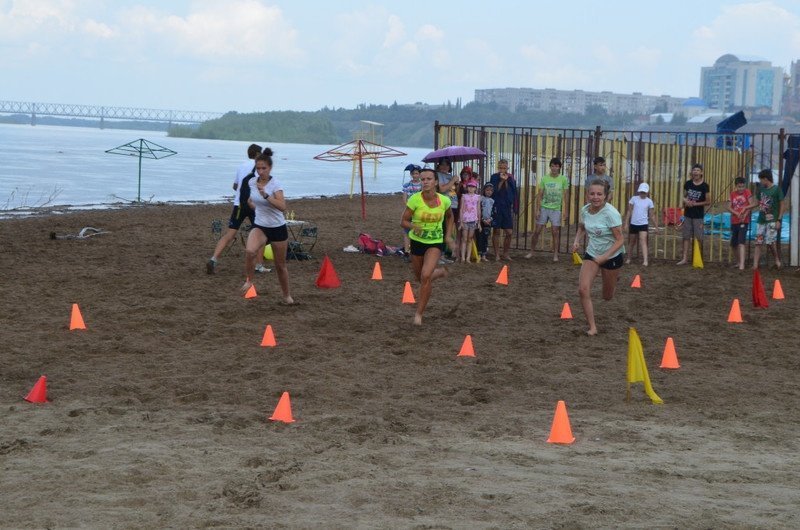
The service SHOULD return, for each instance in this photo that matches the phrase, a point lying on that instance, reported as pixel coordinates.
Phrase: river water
(68, 166)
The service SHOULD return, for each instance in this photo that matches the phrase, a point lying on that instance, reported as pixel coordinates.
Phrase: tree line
(404, 125)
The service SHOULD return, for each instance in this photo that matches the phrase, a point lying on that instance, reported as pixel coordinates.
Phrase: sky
(264, 55)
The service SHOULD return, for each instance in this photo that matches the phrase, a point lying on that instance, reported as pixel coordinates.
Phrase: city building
(550, 99)
(740, 82)
(791, 101)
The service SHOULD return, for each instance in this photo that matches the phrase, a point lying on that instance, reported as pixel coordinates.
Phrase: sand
(158, 412)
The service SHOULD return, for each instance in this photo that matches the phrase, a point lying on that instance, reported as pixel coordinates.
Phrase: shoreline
(54, 210)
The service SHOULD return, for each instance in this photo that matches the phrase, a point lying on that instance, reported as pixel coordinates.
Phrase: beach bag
(370, 245)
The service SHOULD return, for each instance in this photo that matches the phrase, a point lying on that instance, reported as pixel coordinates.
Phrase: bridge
(100, 112)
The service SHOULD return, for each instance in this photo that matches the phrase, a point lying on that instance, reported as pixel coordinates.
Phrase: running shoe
(210, 265)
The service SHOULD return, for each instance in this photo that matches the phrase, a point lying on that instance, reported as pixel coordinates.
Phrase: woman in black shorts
(265, 195)
(602, 224)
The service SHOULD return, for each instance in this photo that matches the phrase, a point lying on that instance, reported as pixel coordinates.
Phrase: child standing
(485, 231)
(771, 208)
(469, 215)
(740, 204)
(410, 188)
(640, 210)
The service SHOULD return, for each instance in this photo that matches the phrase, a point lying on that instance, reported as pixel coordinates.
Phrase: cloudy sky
(248, 55)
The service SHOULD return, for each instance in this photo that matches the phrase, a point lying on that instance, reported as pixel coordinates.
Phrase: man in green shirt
(771, 208)
(551, 198)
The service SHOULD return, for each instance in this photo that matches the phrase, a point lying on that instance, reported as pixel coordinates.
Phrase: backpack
(370, 245)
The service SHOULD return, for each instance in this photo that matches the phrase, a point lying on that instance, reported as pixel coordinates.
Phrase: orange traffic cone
(76, 319)
(466, 348)
(502, 278)
(566, 313)
(38, 393)
(637, 282)
(561, 432)
(670, 358)
(376, 272)
(283, 412)
(327, 277)
(408, 294)
(269, 337)
(777, 291)
(735, 315)
(251, 292)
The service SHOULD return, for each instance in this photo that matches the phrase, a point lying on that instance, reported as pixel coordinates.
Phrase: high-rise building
(791, 100)
(739, 82)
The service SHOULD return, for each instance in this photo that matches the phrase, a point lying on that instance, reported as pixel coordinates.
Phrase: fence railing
(663, 159)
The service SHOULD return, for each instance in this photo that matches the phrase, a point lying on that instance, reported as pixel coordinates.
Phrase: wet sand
(158, 412)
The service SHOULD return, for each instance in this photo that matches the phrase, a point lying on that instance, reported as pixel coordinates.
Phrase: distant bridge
(99, 112)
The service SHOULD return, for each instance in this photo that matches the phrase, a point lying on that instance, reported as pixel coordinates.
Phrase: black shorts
(613, 263)
(635, 229)
(503, 218)
(274, 235)
(419, 249)
(739, 234)
(238, 215)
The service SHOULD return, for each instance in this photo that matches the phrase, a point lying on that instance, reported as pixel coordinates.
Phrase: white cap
(644, 187)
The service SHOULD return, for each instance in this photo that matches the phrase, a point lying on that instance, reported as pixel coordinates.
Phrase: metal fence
(663, 159)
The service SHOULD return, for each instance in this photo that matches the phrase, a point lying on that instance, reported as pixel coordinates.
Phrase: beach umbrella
(455, 153)
(143, 149)
(356, 152)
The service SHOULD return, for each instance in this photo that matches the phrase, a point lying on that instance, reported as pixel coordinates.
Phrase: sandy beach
(158, 412)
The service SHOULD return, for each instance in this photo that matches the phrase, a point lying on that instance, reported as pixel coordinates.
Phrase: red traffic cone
(38, 393)
(566, 312)
(637, 282)
(759, 296)
(327, 278)
(283, 412)
(251, 292)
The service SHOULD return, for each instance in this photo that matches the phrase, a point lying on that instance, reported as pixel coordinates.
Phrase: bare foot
(529, 255)
(555, 257)
(628, 261)
(288, 300)
(246, 285)
(682, 262)
(507, 258)
(592, 332)
(778, 265)
(645, 264)
(417, 320)
(497, 258)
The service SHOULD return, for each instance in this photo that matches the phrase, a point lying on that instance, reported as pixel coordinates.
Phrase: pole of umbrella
(361, 176)
(139, 190)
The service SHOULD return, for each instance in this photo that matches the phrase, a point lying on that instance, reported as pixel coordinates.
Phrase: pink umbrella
(455, 153)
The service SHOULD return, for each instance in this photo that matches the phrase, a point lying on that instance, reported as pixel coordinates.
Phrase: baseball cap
(473, 183)
(644, 187)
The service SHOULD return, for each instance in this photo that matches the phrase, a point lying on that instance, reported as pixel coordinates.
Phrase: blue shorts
(503, 218)
(739, 234)
(274, 235)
